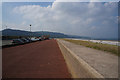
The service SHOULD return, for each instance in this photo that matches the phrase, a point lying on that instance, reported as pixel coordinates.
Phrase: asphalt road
(41, 59)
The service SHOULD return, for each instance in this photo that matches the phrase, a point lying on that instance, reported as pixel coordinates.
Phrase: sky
(91, 19)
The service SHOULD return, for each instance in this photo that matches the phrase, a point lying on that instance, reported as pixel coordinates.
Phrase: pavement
(42, 59)
(103, 62)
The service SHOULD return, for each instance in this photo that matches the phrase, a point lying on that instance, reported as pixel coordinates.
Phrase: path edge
(70, 57)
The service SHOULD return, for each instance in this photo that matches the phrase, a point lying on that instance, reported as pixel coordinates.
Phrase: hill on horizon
(13, 32)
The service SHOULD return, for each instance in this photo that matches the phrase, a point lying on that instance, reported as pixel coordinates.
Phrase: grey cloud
(75, 18)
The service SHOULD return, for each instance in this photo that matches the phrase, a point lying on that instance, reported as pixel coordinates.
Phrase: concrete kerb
(75, 64)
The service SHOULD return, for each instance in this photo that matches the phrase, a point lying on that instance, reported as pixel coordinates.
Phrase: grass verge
(104, 47)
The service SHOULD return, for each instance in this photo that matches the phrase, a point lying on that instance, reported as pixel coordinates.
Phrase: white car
(33, 39)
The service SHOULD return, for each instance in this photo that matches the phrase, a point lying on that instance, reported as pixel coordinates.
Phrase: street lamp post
(30, 31)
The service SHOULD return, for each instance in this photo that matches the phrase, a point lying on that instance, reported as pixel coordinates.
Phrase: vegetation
(12, 37)
(12, 32)
(104, 47)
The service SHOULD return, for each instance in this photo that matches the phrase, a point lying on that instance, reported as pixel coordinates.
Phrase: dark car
(40, 39)
(29, 39)
(17, 41)
(24, 40)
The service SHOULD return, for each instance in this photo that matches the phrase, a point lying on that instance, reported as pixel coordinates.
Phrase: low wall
(77, 67)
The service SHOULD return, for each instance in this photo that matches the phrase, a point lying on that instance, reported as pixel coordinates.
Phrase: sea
(100, 41)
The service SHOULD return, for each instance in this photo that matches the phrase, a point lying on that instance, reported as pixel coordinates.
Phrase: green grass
(104, 47)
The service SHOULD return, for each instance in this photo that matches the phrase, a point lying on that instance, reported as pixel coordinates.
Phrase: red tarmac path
(42, 59)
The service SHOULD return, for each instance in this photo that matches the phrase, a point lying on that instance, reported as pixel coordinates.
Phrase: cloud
(104, 0)
(22, 26)
(73, 18)
(119, 19)
(0, 15)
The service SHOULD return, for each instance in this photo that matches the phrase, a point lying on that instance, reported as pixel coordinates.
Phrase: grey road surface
(103, 62)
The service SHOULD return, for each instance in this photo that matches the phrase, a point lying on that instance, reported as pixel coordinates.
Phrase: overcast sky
(92, 19)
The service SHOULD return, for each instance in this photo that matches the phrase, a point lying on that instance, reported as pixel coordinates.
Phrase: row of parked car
(25, 40)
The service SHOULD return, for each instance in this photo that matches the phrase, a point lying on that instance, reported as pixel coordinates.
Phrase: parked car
(17, 41)
(29, 39)
(34, 39)
(24, 40)
(40, 39)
